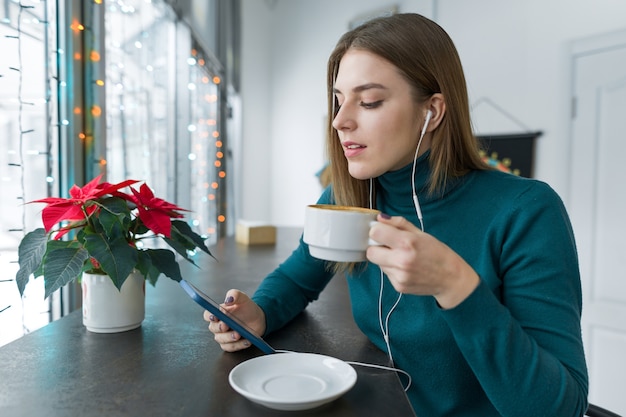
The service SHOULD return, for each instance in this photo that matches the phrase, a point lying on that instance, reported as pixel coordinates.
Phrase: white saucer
(292, 381)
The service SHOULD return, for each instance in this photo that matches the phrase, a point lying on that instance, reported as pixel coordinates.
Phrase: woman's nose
(343, 120)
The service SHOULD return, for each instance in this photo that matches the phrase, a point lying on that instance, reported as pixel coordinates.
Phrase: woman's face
(378, 121)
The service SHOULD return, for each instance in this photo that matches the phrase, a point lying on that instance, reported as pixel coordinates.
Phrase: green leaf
(63, 263)
(116, 257)
(180, 248)
(138, 227)
(147, 269)
(165, 261)
(182, 233)
(61, 244)
(30, 254)
(114, 217)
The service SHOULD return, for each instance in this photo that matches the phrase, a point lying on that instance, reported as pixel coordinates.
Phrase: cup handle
(370, 241)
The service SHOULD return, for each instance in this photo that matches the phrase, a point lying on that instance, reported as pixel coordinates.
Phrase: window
(140, 41)
(28, 143)
(161, 121)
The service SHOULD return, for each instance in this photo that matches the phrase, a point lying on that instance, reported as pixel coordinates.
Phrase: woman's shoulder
(506, 179)
(513, 186)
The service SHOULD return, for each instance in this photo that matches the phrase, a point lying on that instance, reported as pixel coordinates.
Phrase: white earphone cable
(384, 326)
(368, 365)
(416, 202)
(386, 368)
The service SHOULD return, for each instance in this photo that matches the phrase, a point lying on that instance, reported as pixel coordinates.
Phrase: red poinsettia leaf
(62, 232)
(50, 200)
(146, 198)
(55, 213)
(76, 192)
(136, 198)
(85, 192)
(156, 220)
(169, 207)
(146, 192)
(108, 188)
(143, 197)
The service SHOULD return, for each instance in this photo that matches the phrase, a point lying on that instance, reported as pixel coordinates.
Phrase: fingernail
(229, 299)
(246, 343)
(233, 336)
(211, 317)
(385, 216)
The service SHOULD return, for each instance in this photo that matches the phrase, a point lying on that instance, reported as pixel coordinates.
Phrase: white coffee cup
(338, 233)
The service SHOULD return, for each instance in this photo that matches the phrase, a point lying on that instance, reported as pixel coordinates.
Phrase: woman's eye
(371, 105)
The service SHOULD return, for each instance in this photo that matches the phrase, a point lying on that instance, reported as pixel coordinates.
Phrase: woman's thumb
(232, 297)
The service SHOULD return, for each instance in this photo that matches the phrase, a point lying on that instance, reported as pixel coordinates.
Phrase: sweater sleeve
(286, 291)
(530, 337)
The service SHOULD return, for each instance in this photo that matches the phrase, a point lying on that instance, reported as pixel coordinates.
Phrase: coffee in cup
(338, 233)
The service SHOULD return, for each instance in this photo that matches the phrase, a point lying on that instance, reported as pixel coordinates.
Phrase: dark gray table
(171, 366)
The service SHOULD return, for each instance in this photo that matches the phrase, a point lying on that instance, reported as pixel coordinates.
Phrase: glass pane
(27, 151)
(140, 94)
(162, 110)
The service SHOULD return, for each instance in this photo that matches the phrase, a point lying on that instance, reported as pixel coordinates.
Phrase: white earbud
(429, 116)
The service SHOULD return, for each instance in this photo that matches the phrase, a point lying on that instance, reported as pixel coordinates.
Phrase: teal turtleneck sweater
(513, 347)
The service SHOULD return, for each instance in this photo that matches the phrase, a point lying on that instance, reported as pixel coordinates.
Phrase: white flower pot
(108, 310)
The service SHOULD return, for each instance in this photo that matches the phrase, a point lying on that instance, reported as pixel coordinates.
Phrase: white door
(597, 206)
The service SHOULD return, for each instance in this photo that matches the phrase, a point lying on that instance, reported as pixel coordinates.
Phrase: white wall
(515, 53)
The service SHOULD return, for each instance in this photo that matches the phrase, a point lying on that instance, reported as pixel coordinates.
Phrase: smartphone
(235, 324)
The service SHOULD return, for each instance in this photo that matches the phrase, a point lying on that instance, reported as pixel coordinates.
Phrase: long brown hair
(428, 59)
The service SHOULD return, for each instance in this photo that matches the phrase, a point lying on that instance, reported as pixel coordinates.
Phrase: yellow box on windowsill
(255, 233)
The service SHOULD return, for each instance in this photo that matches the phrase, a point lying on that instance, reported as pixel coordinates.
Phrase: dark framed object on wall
(514, 153)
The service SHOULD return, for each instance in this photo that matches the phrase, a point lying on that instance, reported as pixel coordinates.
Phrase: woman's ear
(437, 107)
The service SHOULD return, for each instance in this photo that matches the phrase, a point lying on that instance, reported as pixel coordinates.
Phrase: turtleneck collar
(395, 187)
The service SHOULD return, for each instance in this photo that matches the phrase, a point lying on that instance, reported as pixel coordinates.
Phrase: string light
(96, 111)
(76, 26)
(206, 87)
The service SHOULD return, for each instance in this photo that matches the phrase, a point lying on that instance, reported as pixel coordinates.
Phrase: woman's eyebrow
(363, 87)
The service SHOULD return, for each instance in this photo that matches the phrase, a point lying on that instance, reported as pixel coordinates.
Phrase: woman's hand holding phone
(240, 305)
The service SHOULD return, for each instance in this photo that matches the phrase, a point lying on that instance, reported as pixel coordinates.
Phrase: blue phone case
(212, 306)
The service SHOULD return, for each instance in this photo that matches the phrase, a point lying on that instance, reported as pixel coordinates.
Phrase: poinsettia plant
(109, 229)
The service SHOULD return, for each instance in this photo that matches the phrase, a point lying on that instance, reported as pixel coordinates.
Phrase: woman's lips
(351, 149)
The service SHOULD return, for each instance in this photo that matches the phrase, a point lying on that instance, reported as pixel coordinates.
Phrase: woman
(477, 282)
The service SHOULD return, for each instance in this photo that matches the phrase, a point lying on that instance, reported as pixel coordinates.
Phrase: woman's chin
(362, 174)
